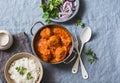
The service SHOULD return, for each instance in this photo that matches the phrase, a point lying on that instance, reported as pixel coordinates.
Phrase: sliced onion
(61, 8)
(66, 10)
(64, 15)
(67, 3)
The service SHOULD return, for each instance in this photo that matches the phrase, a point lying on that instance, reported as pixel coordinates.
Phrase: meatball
(66, 41)
(54, 41)
(60, 53)
(64, 35)
(45, 33)
(45, 53)
(42, 43)
(46, 58)
(57, 30)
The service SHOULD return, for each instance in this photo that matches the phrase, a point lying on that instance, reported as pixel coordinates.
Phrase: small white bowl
(6, 40)
(16, 57)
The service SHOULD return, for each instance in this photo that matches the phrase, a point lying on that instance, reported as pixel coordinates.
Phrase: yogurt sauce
(4, 39)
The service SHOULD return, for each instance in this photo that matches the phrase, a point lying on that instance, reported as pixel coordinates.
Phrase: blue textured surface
(103, 16)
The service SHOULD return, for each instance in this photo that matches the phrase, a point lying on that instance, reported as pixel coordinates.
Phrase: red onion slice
(66, 10)
(67, 3)
(64, 15)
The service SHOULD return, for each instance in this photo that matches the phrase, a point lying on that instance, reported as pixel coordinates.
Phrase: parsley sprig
(93, 55)
(79, 22)
(21, 70)
(50, 9)
(29, 76)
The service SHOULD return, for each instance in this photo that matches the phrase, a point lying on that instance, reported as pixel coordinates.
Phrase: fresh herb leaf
(88, 52)
(29, 76)
(54, 13)
(48, 21)
(51, 9)
(57, 2)
(43, 6)
(18, 69)
(93, 55)
(21, 70)
(79, 22)
(46, 15)
(91, 60)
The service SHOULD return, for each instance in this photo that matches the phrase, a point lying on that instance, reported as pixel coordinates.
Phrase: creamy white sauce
(4, 39)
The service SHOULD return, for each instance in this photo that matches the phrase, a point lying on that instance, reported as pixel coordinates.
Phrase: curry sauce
(53, 44)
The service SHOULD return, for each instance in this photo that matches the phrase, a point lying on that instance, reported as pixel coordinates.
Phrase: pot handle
(34, 25)
(70, 59)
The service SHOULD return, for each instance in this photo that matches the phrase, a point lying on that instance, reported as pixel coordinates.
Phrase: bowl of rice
(23, 68)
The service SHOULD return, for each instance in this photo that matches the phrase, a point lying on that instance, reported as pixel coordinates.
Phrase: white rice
(30, 65)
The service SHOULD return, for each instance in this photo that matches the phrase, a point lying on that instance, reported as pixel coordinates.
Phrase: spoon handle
(84, 72)
(75, 66)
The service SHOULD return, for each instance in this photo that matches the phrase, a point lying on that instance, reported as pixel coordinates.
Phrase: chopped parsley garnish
(18, 69)
(21, 70)
(79, 22)
(91, 60)
(93, 56)
(29, 76)
(88, 52)
(50, 9)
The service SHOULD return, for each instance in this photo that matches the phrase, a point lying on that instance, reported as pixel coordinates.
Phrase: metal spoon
(84, 37)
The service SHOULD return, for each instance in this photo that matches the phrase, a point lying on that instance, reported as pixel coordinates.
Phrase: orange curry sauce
(54, 44)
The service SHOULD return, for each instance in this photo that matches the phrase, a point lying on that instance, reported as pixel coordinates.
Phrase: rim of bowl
(35, 35)
(28, 55)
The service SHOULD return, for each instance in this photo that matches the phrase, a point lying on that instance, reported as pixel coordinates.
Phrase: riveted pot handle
(34, 26)
(67, 62)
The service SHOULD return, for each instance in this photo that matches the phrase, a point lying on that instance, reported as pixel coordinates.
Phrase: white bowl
(6, 40)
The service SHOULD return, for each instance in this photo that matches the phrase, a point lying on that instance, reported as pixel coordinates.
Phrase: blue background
(103, 16)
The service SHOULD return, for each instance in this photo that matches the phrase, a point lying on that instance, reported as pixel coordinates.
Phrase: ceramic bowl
(6, 40)
(76, 9)
(16, 57)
